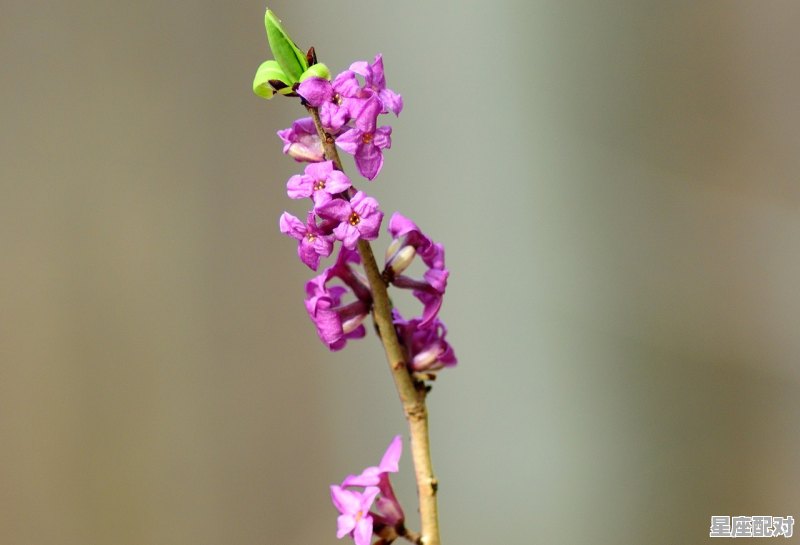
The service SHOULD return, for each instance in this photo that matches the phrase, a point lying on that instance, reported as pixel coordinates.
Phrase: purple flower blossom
(355, 519)
(360, 217)
(409, 241)
(405, 234)
(427, 347)
(313, 241)
(338, 101)
(320, 181)
(365, 141)
(431, 300)
(336, 323)
(390, 513)
(301, 141)
(375, 80)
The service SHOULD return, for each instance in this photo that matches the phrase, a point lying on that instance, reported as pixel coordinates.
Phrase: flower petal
(348, 234)
(361, 68)
(369, 160)
(391, 101)
(316, 91)
(367, 117)
(308, 253)
(292, 226)
(345, 524)
(377, 77)
(363, 531)
(299, 187)
(383, 137)
(346, 84)
(336, 209)
(337, 182)
(391, 457)
(346, 501)
(349, 141)
(319, 171)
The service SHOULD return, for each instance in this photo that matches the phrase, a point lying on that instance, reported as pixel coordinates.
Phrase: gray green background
(617, 187)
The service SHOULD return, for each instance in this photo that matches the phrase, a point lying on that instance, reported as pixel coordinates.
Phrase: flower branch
(344, 113)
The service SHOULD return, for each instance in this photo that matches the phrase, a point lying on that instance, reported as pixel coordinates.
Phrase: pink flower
(365, 141)
(355, 519)
(335, 322)
(427, 347)
(360, 217)
(313, 242)
(338, 101)
(375, 80)
(390, 513)
(409, 241)
(320, 181)
(301, 142)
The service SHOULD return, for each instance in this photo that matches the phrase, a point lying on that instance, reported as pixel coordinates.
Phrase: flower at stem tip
(376, 81)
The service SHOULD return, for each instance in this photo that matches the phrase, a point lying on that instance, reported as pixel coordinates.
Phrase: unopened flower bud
(353, 323)
(392, 249)
(402, 259)
(426, 358)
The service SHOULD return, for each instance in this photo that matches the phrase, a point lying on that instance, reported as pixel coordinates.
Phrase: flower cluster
(348, 111)
(423, 337)
(356, 517)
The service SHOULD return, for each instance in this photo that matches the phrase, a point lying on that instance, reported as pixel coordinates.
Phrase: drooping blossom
(335, 322)
(355, 519)
(301, 142)
(389, 512)
(375, 79)
(365, 141)
(320, 181)
(337, 101)
(313, 242)
(360, 217)
(408, 242)
(427, 347)
(406, 234)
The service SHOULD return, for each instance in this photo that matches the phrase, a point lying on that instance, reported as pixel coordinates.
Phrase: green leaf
(318, 70)
(291, 60)
(269, 71)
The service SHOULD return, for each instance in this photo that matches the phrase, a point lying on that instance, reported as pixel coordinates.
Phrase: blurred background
(617, 188)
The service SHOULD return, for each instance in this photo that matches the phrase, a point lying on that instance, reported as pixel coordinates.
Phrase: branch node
(416, 411)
